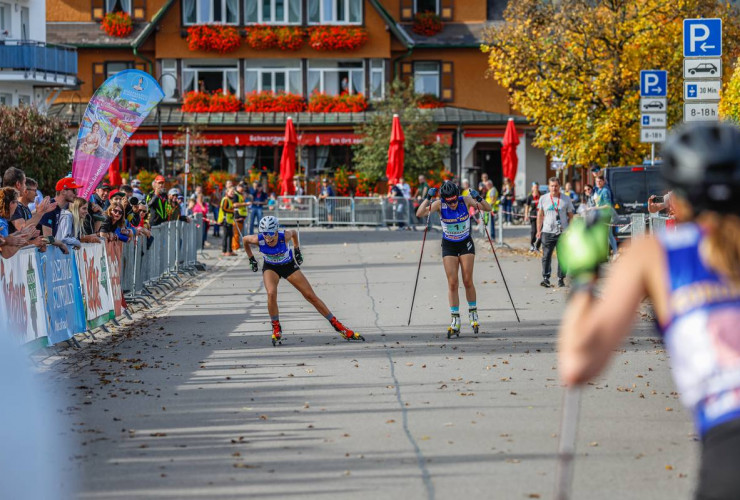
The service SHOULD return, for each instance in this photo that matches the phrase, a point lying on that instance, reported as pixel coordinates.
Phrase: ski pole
(502, 274)
(567, 444)
(418, 269)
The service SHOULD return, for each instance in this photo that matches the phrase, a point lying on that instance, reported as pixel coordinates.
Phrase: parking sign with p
(702, 37)
(653, 83)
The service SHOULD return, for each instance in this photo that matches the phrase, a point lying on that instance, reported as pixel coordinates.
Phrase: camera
(658, 199)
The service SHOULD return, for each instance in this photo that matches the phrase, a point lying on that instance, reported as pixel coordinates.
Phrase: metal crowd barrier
(155, 262)
(638, 225)
(397, 211)
(658, 223)
(297, 209)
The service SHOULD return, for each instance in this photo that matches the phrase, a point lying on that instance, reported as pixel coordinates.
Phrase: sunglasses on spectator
(119, 212)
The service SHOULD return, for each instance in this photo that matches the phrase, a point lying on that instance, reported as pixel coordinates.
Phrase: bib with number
(277, 255)
(455, 223)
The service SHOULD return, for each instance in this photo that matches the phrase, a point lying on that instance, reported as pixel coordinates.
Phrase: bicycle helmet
(449, 189)
(268, 224)
(702, 164)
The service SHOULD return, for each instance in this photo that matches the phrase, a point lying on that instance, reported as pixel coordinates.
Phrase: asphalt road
(193, 401)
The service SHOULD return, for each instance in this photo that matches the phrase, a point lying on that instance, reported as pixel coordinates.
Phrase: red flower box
(344, 103)
(117, 24)
(429, 101)
(213, 38)
(262, 37)
(337, 38)
(218, 102)
(267, 102)
(427, 23)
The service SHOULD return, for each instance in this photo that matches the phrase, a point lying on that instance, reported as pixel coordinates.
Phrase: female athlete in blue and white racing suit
(692, 276)
(279, 263)
(458, 250)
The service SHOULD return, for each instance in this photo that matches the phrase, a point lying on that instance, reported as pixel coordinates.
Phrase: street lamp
(175, 95)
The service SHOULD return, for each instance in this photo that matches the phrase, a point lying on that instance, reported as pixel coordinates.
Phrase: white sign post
(702, 69)
(653, 104)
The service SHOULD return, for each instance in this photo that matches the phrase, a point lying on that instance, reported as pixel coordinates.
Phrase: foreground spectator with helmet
(692, 278)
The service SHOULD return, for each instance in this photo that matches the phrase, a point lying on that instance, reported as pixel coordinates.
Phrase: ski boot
(454, 328)
(473, 315)
(277, 333)
(345, 332)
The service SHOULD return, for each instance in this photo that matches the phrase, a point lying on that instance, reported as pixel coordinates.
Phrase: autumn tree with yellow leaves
(729, 105)
(573, 68)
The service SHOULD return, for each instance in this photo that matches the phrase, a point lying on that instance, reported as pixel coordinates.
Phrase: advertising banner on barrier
(62, 297)
(19, 281)
(115, 265)
(92, 266)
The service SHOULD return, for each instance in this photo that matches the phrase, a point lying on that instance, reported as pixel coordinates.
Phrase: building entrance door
(488, 158)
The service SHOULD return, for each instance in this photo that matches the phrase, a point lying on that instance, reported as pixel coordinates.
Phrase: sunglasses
(271, 234)
(451, 201)
(119, 212)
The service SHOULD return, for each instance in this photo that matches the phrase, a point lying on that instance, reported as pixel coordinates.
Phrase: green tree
(573, 68)
(36, 143)
(421, 153)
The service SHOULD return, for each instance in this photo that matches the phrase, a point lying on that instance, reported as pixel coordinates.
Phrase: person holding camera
(554, 212)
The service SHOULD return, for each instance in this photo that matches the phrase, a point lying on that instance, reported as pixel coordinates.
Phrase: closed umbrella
(509, 160)
(287, 161)
(394, 169)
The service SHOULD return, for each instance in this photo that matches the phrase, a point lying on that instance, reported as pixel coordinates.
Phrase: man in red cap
(66, 192)
(157, 185)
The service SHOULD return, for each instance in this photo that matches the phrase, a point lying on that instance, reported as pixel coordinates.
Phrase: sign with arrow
(653, 83)
(702, 37)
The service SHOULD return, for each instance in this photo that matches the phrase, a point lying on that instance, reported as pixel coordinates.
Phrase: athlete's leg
(271, 280)
(466, 264)
(299, 281)
(451, 265)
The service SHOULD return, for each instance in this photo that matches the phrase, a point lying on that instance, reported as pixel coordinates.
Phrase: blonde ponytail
(721, 248)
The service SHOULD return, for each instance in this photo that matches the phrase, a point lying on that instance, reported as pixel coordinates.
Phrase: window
(426, 78)
(272, 11)
(168, 80)
(426, 6)
(336, 77)
(24, 100)
(495, 9)
(273, 75)
(211, 11)
(111, 68)
(5, 31)
(335, 11)
(6, 99)
(377, 78)
(118, 6)
(210, 76)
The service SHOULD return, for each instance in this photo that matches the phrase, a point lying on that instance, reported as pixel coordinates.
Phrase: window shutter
(139, 10)
(407, 71)
(447, 82)
(407, 10)
(98, 78)
(98, 10)
(446, 9)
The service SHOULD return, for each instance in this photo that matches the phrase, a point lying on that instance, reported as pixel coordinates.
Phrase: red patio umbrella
(509, 160)
(394, 168)
(287, 161)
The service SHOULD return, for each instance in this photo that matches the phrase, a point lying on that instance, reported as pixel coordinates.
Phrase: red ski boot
(277, 333)
(345, 332)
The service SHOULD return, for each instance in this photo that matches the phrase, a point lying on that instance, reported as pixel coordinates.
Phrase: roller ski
(473, 315)
(277, 333)
(345, 332)
(454, 328)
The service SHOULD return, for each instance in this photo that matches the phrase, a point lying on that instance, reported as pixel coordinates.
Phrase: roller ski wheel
(454, 328)
(277, 334)
(345, 332)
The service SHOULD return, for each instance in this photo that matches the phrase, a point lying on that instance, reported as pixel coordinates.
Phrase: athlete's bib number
(456, 230)
(277, 259)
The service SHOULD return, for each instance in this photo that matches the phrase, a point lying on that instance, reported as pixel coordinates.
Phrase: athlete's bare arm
(248, 242)
(593, 327)
(483, 206)
(426, 208)
(292, 235)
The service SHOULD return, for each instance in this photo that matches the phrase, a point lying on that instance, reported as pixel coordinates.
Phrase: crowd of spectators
(64, 220)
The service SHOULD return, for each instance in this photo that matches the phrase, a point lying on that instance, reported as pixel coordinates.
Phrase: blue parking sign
(702, 37)
(653, 83)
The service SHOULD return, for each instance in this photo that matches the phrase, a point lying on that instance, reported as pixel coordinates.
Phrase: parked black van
(631, 187)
